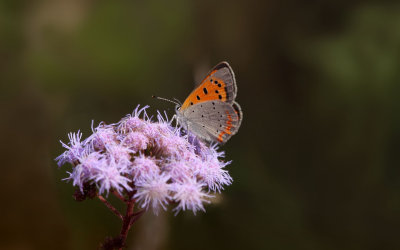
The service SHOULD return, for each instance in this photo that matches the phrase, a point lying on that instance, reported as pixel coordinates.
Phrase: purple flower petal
(190, 195)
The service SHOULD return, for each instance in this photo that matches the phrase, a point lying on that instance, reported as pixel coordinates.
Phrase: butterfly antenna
(165, 99)
(178, 101)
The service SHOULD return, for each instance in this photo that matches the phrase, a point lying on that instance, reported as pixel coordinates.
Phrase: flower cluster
(158, 163)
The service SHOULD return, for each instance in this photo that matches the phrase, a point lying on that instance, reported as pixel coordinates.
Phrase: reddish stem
(128, 219)
(126, 222)
(108, 204)
(137, 215)
(119, 196)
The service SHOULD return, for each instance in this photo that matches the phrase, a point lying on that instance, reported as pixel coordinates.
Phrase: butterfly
(210, 111)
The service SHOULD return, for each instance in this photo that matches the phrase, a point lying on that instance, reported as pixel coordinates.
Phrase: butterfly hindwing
(213, 120)
(238, 111)
(219, 84)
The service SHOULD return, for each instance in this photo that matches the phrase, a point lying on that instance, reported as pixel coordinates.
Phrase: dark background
(315, 163)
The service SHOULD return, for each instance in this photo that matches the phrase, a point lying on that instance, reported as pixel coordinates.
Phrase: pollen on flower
(155, 162)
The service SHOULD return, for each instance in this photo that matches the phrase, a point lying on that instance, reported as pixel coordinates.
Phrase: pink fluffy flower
(120, 153)
(136, 141)
(153, 191)
(110, 175)
(190, 195)
(143, 167)
(75, 149)
(153, 162)
(211, 171)
(179, 170)
(103, 136)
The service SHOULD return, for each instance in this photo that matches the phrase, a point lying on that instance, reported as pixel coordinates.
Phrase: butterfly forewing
(213, 120)
(219, 84)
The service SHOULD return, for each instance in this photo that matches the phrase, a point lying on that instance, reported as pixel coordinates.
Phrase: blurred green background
(315, 163)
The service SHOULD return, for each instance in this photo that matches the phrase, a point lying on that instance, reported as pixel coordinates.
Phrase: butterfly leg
(187, 132)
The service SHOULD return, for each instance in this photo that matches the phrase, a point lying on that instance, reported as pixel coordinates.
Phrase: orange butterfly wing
(219, 84)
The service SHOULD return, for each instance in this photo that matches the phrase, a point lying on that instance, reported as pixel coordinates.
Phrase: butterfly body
(210, 111)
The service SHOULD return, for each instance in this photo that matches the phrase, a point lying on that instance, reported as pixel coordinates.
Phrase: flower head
(153, 162)
(119, 152)
(179, 170)
(75, 149)
(144, 167)
(103, 136)
(110, 175)
(133, 122)
(136, 141)
(190, 195)
(153, 190)
(211, 171)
